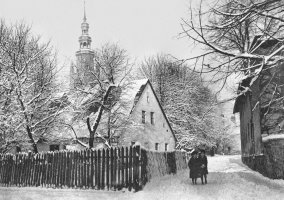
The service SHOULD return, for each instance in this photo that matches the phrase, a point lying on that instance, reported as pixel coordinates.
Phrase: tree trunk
(32, 139)
(92, 130)
(108, 129)
(29, 132)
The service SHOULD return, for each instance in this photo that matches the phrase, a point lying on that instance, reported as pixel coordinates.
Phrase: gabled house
(261, 108)
(149, 127)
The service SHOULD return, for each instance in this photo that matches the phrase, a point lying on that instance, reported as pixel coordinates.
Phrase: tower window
(166, 147)
(152, 117)
(143, 116)
(156, 146)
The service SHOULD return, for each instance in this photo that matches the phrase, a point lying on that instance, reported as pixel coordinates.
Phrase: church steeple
(85, 40)
(82, 72)
(84, 19)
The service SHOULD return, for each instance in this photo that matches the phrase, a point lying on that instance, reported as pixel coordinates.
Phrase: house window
(18, 149)
(156, 146)
(143, 116)
(152, 117)
(54, 147)
(166, 147)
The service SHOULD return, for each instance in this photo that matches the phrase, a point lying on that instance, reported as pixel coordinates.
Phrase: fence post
(99, 169)
(48, 174)
(118, 169)
(62, 168)
(115, 168)
(96, 168)
(130, 168)
(12, 170)
(84, 166)
(136, 167)
(88, 173)
(126, 167)
(107, 168)
(111, 168)
(122, 168)
(103, 169)
(71, 166)
(76, 169)
(24, 170)
(92, 168)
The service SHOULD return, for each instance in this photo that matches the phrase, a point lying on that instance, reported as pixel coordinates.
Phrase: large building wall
(271, 162)
(85, 66)
(149, 134)
(255, 112)
(250, 123)
(245, 116)
(264, 156)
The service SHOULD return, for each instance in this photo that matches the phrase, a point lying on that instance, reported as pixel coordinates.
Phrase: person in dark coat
(203, 162)
(194, 167)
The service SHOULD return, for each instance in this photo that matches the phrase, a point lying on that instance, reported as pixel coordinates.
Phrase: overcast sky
(142, 27)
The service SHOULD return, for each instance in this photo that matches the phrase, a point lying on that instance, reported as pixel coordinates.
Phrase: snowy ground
(228, 179)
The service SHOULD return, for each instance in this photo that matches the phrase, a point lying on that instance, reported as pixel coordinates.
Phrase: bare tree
(188, 103)
(158, 69)
(227, 32)
(102, 99)
(27, 86)
(242, 38)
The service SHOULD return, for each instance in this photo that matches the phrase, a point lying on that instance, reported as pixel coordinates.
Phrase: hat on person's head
(193, 152)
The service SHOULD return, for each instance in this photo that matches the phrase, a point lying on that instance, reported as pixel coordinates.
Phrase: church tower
(82, 72)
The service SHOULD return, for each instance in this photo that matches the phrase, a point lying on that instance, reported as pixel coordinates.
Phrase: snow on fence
(102, 169)
(162, 163)
(115, 168)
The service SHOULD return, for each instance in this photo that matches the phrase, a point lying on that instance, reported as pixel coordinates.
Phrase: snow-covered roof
(132, 93)
(272, 137)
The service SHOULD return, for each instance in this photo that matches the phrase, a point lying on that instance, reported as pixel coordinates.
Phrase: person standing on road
(203, 162)
(194, 167)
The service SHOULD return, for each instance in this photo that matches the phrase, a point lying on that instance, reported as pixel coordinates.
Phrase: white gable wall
(147, 134)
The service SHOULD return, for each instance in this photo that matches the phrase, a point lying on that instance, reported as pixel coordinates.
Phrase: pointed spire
(84, 12)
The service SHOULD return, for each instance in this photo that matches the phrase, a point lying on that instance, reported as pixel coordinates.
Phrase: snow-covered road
(228, 179)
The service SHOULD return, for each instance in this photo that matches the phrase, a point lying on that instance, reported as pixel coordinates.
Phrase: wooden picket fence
(111, 169)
